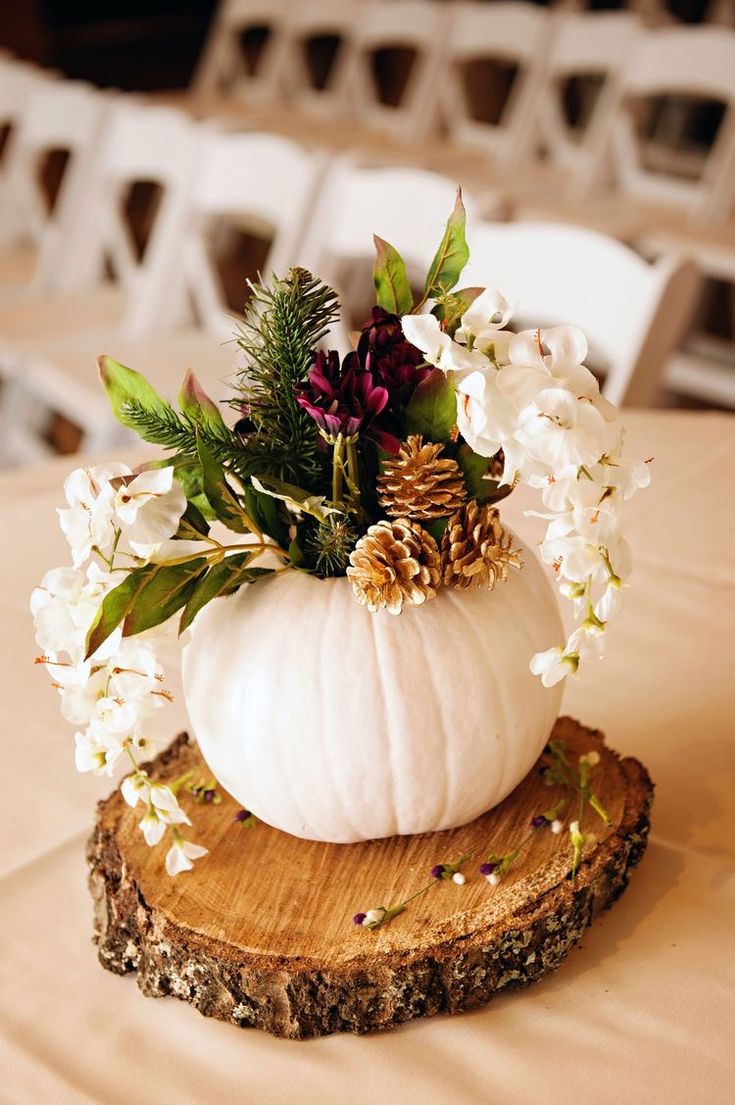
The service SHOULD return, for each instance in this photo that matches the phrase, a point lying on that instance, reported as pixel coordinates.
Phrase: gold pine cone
(475, 549)
(419, 483)
(395, 562)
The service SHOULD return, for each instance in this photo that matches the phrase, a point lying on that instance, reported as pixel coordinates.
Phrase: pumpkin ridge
(339, 790)
(375, 630)
(475, 634)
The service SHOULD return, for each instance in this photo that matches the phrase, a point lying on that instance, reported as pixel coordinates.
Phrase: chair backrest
(585, 46)
(415, 25)
(632, 312)
(682, 62)
(319, 19)
(18, 82)
(139, 144)
(258, 181)
(223, 67)
(407, 207)
(59, 116)
(515, 33)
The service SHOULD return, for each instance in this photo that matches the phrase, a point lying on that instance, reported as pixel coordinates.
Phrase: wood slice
(260, 932)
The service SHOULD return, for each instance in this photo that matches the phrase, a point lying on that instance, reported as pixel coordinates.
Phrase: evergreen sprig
(175, 430)
(286, 320)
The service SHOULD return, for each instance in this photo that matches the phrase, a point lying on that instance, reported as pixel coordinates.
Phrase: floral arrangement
(385, 466)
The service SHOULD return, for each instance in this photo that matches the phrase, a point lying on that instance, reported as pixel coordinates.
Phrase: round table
(644, 1010)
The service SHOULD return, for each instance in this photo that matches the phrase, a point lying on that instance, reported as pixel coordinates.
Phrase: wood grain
(260, 932)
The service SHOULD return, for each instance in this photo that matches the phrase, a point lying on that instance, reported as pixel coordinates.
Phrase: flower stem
(337, 469)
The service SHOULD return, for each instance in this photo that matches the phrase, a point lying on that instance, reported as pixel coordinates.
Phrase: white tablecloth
(644, 1011)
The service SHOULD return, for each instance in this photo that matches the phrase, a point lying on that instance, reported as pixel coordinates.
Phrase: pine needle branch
(286, 321)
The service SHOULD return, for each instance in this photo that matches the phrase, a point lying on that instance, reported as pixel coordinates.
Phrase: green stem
(337, 469)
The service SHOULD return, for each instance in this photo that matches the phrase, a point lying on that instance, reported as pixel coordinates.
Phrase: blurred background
(154, 156)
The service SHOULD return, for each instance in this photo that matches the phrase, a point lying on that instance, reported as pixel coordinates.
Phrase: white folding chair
(305, 24)
(102, 267)
(223, 67)
(584, 46)
(633, 312)
(58, 117)
(515, 33)
(681, 61)
(245, 177)
(405, 206)
(414, 25)
(262, 182)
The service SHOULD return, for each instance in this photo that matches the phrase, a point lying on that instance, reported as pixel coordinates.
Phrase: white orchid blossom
(180, 855)
(531, 396)
(109, 694)
(148, 509)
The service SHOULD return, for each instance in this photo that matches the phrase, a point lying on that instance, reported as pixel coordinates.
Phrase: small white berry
(459, 878)
(557, 827)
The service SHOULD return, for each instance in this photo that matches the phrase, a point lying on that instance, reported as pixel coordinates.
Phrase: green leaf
(432, 409)
(193, 524)
(478, 487)
(450, 308)
(115, 607)
(220, 495)
(199, 408)
(393, 290)
(166, 590)
(474, 468)
(223, 578)
(265, 512)
(295, 553)
(452, 255)
(295, 497)
(125, 385)
(436, 527)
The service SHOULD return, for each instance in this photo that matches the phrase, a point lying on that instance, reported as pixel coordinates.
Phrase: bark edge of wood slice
(259, 933)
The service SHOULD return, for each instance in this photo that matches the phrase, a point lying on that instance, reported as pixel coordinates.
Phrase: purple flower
(437, 871)
(487, 868)
(396, 364)
(344, 399)
(538, 821)
(359, 918)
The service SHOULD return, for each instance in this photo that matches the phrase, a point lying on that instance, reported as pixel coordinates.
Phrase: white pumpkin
(336, 724)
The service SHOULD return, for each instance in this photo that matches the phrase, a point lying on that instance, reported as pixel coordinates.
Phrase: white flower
(482, 326)
(459, 878)
(88, 521)
(148, 509)
(64, 607)
(97, 754)
(180, 855)
(135, 787)
(586, 643)
(493, 878)
(425, 332)
(155, 821)
(557, 827)
(608, 604)
(563, 432)
(485, 418)
(626, 476)
(553, 665)
(152, 827)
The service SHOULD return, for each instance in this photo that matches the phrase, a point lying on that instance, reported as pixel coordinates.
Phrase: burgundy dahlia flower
(394, 362)
(345, 399)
